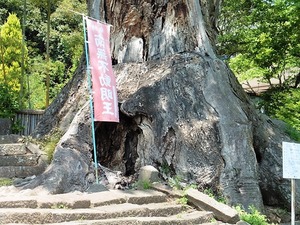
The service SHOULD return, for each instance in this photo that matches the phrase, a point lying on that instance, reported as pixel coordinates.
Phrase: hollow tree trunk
(181, 109)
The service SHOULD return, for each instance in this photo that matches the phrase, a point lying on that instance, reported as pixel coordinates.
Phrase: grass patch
(183, 200)
(50, 142)
(175, 182)
(145, 185)
(5, 181)
(215, 195)
(59, 206)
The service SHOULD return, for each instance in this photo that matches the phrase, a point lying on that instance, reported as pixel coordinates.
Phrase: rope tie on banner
(85, 16)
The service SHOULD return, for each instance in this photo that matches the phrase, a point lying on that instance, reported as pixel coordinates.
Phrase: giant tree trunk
(180, 106)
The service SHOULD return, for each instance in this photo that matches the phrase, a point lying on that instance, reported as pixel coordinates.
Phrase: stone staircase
(112, 207)
(158, 206)
(20, 159)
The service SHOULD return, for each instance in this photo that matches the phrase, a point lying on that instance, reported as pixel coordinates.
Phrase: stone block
(12, 149)
(18, 203)
(221, 211)
(19, 160)
(149, 173)
(10, 139)
(23, 171)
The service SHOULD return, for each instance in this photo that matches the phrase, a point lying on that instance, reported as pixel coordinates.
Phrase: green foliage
(43, 4)
(260, 38)
(145, 185)
(8, 101)
(284, 104)
(165, 169)
(254, 217)
(5, 181)
(175, 182)
(38, 77)
(183, 200)
(289, 109)
(213, 220)
(50, 142)
(66, 44)
(60, 206)
(209, 192)
(216, 195)
(11, 60)
(16, 127)
(292, 133)
(245, 68)
(36, 83)
(10, 6)
(57, 77)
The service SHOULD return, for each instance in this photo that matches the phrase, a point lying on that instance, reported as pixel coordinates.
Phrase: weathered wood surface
(147, 30)
(28, 119)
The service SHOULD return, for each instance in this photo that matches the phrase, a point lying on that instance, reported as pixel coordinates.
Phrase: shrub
(8, 102)
(183, 200)
(146, 184)
(254, 217)
(284, 105)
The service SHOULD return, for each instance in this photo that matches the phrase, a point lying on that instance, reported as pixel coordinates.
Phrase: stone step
(145, 207)
(84, 200)
(19, 160)
(9, 139)
(221, 211)
(23, 171)
(12, 149)
(184, 218)
(59, 215)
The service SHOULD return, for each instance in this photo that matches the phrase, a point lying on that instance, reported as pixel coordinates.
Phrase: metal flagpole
(88, 70)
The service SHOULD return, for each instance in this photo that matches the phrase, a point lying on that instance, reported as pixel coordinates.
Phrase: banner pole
(88, 70)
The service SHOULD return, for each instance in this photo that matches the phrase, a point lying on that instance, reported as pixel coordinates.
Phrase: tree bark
(149, 30)
(181, 108)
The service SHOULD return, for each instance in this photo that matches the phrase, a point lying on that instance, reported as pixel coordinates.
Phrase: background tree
(11, 48)
(8, 102)
(260, 39)
(65, 44)
(49, 7)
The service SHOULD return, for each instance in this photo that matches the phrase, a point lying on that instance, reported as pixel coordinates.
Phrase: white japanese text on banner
(103, 79)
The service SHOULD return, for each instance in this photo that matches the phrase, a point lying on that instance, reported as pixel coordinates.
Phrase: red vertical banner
(103, 79)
